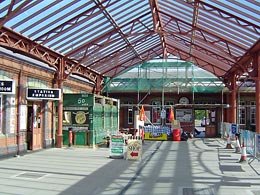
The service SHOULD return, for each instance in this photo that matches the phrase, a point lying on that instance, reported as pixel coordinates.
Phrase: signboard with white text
(117, 144)
(43, 94)
(7, 87)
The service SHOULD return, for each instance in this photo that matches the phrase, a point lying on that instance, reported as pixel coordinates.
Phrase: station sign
(7, 87)
(43, 94)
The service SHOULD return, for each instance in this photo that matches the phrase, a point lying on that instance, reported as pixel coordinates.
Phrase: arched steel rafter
(12, 12)
(119, 51)
(203, 33)
(105, 40)
(230, 17)
(115, 25)
(150, 54)
(198, 60)
(157, 25)
(23, 45)
(187, 44)
(66, 26)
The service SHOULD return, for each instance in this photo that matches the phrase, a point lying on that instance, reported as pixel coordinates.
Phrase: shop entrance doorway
(34, 126)
(205, 122)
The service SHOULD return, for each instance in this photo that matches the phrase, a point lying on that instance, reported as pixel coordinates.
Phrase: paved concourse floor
(196, 167)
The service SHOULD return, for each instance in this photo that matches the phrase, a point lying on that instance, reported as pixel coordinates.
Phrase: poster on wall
(184, 115)
(12, 114)
(23, 117)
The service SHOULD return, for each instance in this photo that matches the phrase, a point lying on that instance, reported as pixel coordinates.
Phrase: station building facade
(28, 113)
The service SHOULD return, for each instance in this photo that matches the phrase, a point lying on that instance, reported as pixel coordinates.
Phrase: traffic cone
(229, 146)
(238, 148)
(243, 153)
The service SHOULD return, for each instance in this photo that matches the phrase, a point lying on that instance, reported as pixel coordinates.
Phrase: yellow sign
(155, 136)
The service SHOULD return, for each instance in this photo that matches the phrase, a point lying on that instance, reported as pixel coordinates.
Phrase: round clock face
(80, 117)
(184, 100)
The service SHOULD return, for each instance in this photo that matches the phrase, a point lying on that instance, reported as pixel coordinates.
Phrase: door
(34, 129)
(210, 128)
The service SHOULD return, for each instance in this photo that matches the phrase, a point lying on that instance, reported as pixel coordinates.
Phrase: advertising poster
(134, 149)
(155, 136)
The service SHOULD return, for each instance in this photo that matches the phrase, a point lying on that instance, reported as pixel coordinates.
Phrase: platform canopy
(104, 38)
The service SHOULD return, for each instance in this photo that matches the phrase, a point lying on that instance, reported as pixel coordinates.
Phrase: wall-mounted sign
(43, 94)
(7, 87)
(78, 99)
(184, 115)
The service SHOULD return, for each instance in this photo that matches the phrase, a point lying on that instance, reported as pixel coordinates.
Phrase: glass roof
(108, 37)
(171, 75)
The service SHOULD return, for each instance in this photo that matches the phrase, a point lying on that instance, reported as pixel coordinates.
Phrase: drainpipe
(60, 106)
(18, 112)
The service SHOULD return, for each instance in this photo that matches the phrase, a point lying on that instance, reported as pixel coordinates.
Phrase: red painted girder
(11, 13)
(25, 46)
(228, 16)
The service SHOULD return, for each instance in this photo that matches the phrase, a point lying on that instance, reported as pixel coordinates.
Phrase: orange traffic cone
(229, 146)
(243, 153)
(238, 148)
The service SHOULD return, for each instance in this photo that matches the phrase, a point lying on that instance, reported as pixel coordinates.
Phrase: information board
(184, 115)
(117, 144)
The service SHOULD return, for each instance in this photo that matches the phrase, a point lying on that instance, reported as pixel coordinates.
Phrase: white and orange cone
(243, 153)
(229, 146)
(238, 147)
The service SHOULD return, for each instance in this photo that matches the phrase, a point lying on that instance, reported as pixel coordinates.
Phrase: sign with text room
(7, 87)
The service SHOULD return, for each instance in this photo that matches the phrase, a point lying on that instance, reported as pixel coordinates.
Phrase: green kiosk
(90, 117)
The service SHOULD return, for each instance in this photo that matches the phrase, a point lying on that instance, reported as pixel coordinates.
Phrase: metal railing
(251, 139)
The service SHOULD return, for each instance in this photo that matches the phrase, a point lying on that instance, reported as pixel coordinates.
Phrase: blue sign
(233, 128)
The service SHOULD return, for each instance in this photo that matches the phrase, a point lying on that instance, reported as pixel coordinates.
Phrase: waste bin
(176, 133)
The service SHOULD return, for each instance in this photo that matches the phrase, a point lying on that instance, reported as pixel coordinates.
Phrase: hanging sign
(43, 94)
(163, 114)
(7, 87)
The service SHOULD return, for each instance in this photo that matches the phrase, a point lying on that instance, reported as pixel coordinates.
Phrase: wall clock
(184, 100)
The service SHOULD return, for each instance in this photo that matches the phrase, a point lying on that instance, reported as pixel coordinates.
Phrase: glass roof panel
(112, 35)
(243, 9)
(170, 74)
